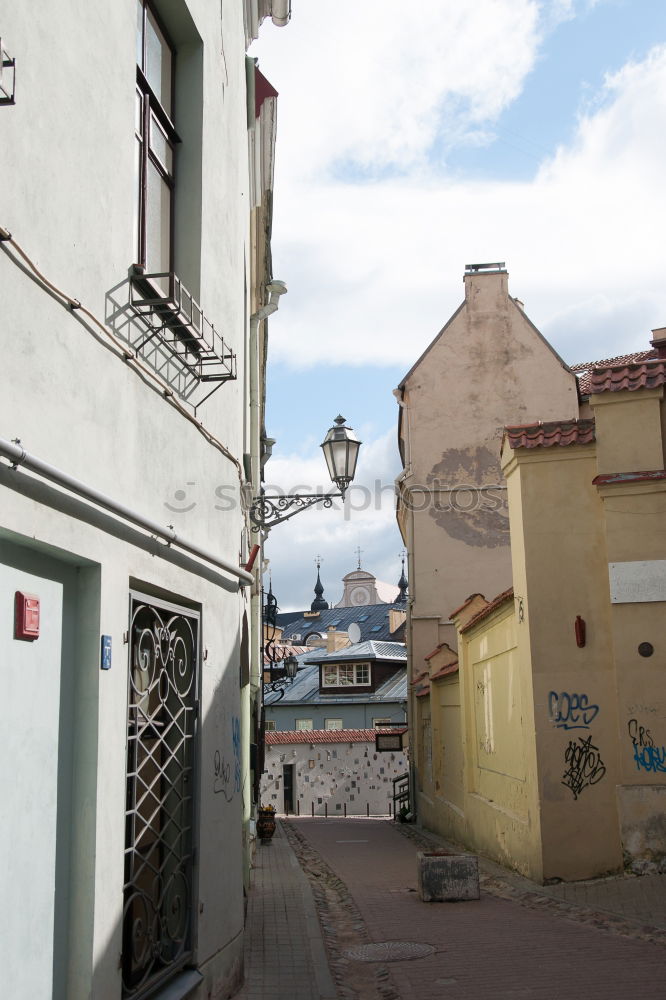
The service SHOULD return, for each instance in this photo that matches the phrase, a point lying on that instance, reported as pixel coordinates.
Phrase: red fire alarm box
(26, 620)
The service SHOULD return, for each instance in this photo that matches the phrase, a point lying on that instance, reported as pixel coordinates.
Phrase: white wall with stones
(334, 775)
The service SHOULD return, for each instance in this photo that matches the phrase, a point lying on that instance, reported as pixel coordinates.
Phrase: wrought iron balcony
(174, 319)
(7, 76)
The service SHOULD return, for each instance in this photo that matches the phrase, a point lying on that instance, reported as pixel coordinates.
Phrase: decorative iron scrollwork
(267, 511)
(161, 726)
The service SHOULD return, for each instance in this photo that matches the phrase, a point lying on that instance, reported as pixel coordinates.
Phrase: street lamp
(340, 448)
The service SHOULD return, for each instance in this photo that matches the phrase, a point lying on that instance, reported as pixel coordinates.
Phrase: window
(346, 675)
(304, 724)
(376, 628)
(381, 722)
(270, 725)
(155, 141)
(332, 723)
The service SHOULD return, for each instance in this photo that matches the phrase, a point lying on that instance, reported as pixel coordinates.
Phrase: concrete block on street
(444, 877)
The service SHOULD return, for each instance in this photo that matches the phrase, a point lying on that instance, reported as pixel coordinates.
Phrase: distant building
(357, 687)
(361, 604)
(330, 773)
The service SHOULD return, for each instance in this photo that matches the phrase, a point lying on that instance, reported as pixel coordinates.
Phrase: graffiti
(647, 756)
(585, 766)
(571, 711)
(226, 782)
(236, 739)
(222, 772)
(639, 735)
(650, 759)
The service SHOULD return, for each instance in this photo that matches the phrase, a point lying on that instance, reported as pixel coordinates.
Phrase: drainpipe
(281, 12)
(251, 693)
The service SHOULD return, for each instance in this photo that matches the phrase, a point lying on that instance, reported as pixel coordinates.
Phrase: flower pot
(265, 825)
(447, 877)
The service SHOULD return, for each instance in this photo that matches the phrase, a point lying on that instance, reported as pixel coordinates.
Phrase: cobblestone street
(324, 890)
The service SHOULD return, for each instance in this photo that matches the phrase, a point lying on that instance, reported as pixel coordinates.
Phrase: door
(288, 786)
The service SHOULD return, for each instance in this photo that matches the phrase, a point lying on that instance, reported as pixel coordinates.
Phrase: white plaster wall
(31, 701)
(66, 160)
(333, 775)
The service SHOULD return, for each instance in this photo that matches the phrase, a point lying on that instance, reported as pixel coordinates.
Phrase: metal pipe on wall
(19, 457)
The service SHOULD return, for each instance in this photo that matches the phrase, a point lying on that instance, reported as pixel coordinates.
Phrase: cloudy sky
(414, 139)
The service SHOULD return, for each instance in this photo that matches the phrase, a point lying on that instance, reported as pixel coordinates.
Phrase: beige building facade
(487, 367)
(547, 745)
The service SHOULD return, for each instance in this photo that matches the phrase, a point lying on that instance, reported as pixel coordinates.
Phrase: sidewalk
(518, 940)
(285, 955)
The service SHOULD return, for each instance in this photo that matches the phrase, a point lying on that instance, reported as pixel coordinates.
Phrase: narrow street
(326, 889)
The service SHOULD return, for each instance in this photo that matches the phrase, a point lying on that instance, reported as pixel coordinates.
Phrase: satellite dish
(354, 632)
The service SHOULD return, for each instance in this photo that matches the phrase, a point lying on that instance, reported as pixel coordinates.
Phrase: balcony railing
(7, 76)
(174, 319)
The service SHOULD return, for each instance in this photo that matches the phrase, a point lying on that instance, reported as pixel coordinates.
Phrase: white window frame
(333, 724)
(301, 724)
(342, 670)
(380, 723)
(270, 725)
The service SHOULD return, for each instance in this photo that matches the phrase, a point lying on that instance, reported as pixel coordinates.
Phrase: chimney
(659, 341)
(486, 287)
(335, 640)
(396, 618)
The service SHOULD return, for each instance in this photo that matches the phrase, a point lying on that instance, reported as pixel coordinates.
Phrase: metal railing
(400, 793)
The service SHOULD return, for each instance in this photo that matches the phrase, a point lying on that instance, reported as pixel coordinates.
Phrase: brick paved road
(490, 948)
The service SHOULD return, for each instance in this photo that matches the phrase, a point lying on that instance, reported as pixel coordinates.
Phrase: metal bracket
(267, 511)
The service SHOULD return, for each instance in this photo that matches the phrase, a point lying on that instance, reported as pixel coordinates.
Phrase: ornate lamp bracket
(267, 511)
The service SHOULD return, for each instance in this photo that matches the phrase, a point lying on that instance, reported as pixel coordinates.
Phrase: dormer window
(337, 675)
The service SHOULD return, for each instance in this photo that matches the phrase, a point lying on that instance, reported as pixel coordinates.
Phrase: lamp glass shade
(341, 448)
(290, 664)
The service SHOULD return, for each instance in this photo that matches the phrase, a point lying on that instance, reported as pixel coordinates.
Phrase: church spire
(402, 583)
(319, 604)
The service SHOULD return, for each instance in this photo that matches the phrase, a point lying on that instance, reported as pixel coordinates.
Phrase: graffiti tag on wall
(227, 782)
(571, 711)
(647, 755)
(584, 765)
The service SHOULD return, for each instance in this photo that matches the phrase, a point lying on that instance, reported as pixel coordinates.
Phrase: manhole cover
(389, 951)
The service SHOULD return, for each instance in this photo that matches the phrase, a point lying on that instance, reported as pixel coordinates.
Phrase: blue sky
(412, 141)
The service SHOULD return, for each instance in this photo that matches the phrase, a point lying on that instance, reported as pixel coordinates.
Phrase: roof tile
(583, 371)
(641, 375)
(545, 435)
(274, 738)
(502, 598)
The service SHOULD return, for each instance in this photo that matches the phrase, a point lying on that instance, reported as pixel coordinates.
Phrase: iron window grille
(7, 76)
(162, 732)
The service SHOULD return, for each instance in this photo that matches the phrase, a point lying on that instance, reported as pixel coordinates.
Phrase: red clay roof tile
(452, 668)
(545, 435)
(274, 738)
(583, 371)
(502, 598)
(641, 375)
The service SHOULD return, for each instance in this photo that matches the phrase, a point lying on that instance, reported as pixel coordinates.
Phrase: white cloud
(367, 519)
(375, 83)
(375, 270)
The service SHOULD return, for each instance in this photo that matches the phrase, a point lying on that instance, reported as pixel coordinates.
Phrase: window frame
(270, 726)
(333, 728)
(151, 106)
(299, 728)
(339, 667)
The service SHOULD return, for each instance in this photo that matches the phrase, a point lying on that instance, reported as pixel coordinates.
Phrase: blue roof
(305, 690)
(372, 619)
